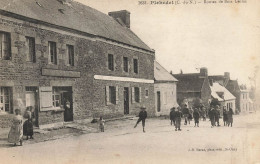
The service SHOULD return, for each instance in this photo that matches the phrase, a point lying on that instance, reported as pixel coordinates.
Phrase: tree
(214, 102)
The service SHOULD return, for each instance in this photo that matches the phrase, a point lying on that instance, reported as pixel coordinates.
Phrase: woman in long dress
(28, 125)
(16, 132)
(230, 117)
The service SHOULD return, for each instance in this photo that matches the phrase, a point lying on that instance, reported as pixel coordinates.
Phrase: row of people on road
(19, 129)
(214, 116)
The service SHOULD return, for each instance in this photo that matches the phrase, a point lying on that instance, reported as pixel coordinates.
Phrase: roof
(233, 86)
(189, 82)
(161, 74)
(73, 15)
(220, 79)
(216, 88)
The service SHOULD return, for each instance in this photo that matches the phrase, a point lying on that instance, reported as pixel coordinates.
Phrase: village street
(160, 143)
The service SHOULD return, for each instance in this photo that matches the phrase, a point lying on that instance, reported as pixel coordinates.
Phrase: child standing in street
(196, 116)
(102, 124)
(172, 116)
(178, 116)
(142, 117)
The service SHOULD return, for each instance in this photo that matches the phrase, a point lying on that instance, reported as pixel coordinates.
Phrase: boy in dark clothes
(212, 117)
(186, 113)
(178, 116)
(225, 117)
(217, 115)
(142, 117)
(196, 116)
(230, 117)
(172, 116)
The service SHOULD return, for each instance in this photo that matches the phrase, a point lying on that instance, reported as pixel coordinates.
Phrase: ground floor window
(111, 95)
(136, 94)
(5, 99)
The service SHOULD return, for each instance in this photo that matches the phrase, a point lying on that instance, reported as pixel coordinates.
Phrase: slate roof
(219, 78)
(216, 87)
(189, 82)
(161, 74)
(73, 15)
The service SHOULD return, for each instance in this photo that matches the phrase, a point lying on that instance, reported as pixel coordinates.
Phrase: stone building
(164, 90)
(69, 62)
(193, 86)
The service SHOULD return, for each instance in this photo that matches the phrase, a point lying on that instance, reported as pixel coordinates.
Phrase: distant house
(246, 104)
(164, 90)
(243, 102)
(225, 98)
(193, 86)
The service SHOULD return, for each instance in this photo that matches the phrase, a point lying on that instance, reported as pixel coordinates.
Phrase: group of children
(214, 116)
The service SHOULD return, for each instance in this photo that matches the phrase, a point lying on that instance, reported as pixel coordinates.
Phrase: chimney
(227, 75)
(204, 71)
(122, 15)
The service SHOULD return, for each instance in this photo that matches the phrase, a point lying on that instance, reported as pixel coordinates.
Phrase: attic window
(38, 4)
(61, 11)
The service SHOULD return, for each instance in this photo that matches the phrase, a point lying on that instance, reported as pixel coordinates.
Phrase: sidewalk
(78, 127)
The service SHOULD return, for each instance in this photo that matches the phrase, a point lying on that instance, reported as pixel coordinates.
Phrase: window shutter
(140, 94)
(46, 98)
(133, 95)
(107, 95)
(27, 47)
(117, 97)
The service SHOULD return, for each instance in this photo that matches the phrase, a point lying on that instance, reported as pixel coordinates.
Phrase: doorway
(32, 101)
(67, 103)
(158, 101)
(126, 100)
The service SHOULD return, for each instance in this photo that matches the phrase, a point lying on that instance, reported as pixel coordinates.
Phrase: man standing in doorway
(142, 117)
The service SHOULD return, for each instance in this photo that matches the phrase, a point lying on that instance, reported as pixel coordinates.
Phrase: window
(110, 62)
(5, 46)
(70, 52)
(111, 95)
(5, 99)
(137, 94)
(30, 44)
(53, 52)
(125, 62)
(135, 65)
(146, 93)
(56, 98)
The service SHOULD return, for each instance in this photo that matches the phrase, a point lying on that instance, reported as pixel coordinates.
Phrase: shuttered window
(125, 64)
(46, 102)
(52, 52)
(135, 62)
(110, 62)
(5, 46)
(112, 95)
(136, 94)
(30, 49)
(70, 54)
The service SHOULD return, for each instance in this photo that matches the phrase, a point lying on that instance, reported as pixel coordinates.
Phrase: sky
(221, 37)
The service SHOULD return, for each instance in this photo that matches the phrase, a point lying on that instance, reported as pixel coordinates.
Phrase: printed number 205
(141, 2)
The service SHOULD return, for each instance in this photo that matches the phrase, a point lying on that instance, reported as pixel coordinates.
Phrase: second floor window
(30, 43)
(53, 52)
(5, 46)
(110, 62)
(135, 61)
(70, 52)
(125, 64)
